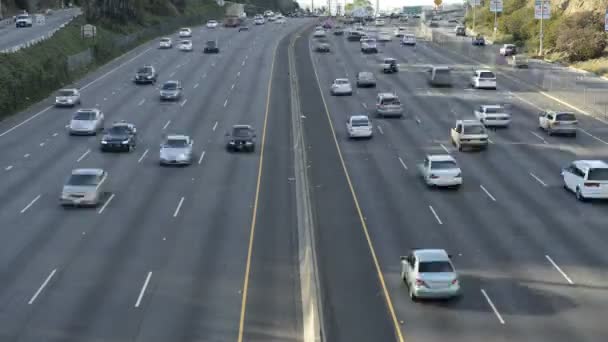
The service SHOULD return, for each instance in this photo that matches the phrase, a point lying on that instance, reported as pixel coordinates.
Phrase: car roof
(470, 122)
(559, 112)
(484, 70)
(94, 172)
(185, 41)
(431, 255)
(122, 123)
(184, 28)
(242, 126)
(359, 117)
(171, 81)
(441, 67)
(440, 157)
(493, 106)
(366, 73)
(87, 110)
(341, 80)
(591, 164)
(68, 89)
(165, 38)
(178, 137)
(387, 95)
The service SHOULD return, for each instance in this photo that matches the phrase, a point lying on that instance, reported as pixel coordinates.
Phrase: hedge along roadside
(32, 74)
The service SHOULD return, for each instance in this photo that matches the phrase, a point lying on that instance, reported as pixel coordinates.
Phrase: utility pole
(542, 15)
(377, 8)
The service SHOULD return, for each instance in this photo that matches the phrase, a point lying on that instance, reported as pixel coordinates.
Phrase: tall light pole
(377, 7)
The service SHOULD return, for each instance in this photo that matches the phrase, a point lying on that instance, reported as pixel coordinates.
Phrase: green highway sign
(412, 9)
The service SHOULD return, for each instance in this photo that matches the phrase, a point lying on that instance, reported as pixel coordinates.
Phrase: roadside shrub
(580, 36)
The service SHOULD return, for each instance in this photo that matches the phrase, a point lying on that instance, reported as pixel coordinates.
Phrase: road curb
(313, 328)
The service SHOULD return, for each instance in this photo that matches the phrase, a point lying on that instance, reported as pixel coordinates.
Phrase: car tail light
(595, 185)
(434, 176)
(459, 175)
(420, 282)
(455, 282)
(555, 123)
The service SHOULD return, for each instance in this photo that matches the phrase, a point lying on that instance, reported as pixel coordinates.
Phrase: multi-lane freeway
(11, 36)
(209, 252)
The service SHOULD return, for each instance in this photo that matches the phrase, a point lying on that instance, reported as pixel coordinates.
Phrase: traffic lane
(383, 181)
(13, 36)
(149, 254)
(353, 306)
(273, 308)
(405, 135)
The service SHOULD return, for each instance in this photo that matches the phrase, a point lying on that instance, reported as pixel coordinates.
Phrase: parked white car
(359, 126)
(588, 179)
(165, 43)
(483, 79)
(493, 115)
(185, 45)
(185, 32)
(469, 133)
(67, 98)
(341, 86)
(211, 24)
(441, 170)
(558, 122)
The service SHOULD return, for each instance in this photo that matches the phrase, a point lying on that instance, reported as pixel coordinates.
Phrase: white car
(212, 24)
(408, 39)
(67, 98)
(341, 86)
(185, 32)
(384, 37)
(483, 79)
(86, 122)
(185, 45)
(176, 150)
(441, 170)
(259, 21)
(558, 122)
(280, 20)
(359, 126)
(469, 133)
(319, 33)
(165, 43)
(429, 273)
(588, 179)
(379, 22)
(493, 115)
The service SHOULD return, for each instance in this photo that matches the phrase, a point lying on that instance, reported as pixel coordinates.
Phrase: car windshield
(83, 180)
(391, 101)
(341, 81)
(486, 74)
(119, 130)
(366, 75)
(443, 165)
(434, 267)
(211, 43)
(23, 17)
(360, 122)
(175, 143)
(473, 129)
(241, 132)
(186, 42)
(494, 110)
(84, 116)
(170, 86)
(66, 93)
(598, 175)
(565, 117)
(165, 40)
(442, 71)
(144, 70)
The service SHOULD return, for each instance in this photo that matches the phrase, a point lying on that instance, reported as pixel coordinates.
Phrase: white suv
(587, 179)
(483, 79)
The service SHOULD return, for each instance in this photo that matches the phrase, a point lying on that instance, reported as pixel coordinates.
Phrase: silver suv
(388, 104)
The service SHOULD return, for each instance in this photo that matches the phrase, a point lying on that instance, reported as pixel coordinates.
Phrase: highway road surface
(11, 36)
(166, 256)
(531, 257)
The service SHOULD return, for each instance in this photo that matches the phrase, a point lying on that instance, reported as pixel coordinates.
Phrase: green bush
(581, 36)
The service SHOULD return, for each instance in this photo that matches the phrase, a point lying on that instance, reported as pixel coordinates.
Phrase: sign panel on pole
(496, 6)
(606, 21)
(542, 9)
(475, 2)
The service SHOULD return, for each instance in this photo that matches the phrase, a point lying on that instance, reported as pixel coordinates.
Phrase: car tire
(459, 147)
(413, 296)
(579, 195)
(549, 132)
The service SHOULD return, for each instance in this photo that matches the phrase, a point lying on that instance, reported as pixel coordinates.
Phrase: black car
(122, 136)
(338, 31)
(211, 47)
(145, 74)
(241, 138)
(479, 41)
(243, 28)
(322, 47)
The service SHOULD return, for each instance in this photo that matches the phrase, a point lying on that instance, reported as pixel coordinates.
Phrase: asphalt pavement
(531, 257)
(11, 36)
(165, 257)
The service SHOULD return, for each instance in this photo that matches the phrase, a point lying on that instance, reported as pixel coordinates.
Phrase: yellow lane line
(387, 296)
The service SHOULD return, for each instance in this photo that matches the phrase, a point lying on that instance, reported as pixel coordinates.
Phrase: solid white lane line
(8, 167)
(196, 86)
(83, 155)
(559, 270)
(487, 193)
(143, 289)
(214, 126)
(106, 204)
(380, 129)
(25, 121)
(27, 155)
(179, 206)
(141, 102)
(232, 86)
(30, 204)
(183, 103)
(526, 101)
(402, 163)
(143, 155)
(46, 282)
(538, 179)
(483, 292)
(167, 124)
(593, 136)
(200, 160)
(539, 137)
(225, 102)
(445, 148)
(435, 214)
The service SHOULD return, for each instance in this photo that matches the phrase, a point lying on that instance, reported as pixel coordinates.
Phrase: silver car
(84, 187)
(341, 86)
(86, 122)
(366, 79)
(67, 98)
(176, 150)
(429, 273)
(171, 91)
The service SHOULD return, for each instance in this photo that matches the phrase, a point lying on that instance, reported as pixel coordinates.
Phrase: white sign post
(542, 11)
(496, 7)
(474, 3)
(606, 21)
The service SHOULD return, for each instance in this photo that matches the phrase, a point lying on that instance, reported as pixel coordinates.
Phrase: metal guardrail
(42, 38)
